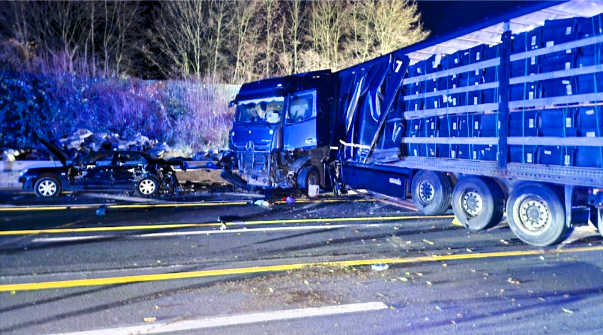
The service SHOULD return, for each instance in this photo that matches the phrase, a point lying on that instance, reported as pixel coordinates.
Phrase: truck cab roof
(280, 86)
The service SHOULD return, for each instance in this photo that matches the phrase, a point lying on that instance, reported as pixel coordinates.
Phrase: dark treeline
(213, 41)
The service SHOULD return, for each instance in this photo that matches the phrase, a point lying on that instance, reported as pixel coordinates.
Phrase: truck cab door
(300, 124)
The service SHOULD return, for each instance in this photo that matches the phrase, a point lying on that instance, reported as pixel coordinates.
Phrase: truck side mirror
(232, 103)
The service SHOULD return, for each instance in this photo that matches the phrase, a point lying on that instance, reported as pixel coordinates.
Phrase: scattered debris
(403, 279)
(150, 319)
(510, 280)
(380, 267)
(101, 211)
(567, 310)
(262, 203)
(428, 242)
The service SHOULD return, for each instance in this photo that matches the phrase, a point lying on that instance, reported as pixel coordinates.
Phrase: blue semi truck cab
(282, 132)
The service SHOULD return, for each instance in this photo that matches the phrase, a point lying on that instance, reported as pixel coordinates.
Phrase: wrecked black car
(122, 171)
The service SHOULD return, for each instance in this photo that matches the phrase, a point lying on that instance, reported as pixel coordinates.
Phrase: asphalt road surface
(336, 266)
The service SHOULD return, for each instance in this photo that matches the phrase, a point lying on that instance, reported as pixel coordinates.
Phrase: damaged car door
(94, 172)
(128, 166)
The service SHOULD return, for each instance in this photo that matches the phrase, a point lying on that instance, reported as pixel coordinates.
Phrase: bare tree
(181, 35)
(382, 26)
(292, 22)
(55, 27)
(327, 28)
(244, 33)
(219, 22)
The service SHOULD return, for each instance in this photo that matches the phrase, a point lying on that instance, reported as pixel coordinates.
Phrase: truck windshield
(260, 110)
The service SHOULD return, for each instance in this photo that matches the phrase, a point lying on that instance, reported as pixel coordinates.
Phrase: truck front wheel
(431, 192)
(308, 175)
(536, 214)
(478, 203)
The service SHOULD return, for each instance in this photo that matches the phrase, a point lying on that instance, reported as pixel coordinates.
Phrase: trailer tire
(478, 202)
(308, 175)
(431, 192)
(536, 214)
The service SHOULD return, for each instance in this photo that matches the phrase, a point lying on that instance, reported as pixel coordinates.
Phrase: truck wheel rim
(47, 188)
(471, 203)
(426, 191)
(146, 186)
(534, 214)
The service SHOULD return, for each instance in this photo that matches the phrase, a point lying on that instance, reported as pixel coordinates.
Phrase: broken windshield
(260, 110)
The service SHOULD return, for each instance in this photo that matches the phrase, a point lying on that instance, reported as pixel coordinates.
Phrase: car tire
(308, 175)
(431, 192)
(47, 187)
(536, 214)
(147, 187)
(478, 203)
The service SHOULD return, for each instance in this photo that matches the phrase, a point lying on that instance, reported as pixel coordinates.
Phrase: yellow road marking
(276, 268)
(179, 204)
(237, 223)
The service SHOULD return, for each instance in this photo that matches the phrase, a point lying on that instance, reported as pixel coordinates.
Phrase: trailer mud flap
(384, 182)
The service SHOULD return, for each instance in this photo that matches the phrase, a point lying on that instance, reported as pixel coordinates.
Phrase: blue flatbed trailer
(501, 117)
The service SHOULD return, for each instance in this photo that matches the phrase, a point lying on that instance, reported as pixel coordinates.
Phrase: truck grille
(253, 160)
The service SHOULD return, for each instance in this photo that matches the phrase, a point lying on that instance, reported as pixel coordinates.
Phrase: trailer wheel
(307, 176)
(478, 203)
(431, 192)
(536, 214)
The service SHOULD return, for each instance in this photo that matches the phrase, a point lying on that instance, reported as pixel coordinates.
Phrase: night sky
(444, 16)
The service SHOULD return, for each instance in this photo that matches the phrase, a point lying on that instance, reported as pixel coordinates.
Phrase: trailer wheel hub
(426, 191)
(471, 203)
(533, 214)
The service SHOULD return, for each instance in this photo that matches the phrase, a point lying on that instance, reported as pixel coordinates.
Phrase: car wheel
(431, 192)
(47, 187)
(147, 187)
(308, 175)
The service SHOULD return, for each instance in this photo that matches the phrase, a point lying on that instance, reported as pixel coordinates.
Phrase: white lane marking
(186, 233)
(237, 319)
